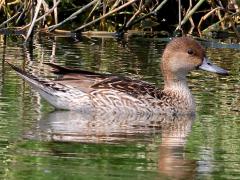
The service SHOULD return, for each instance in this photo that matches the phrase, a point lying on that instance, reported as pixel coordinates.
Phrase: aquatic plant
(202, 18)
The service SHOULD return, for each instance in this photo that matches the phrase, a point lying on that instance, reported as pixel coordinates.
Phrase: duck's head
(183, 55)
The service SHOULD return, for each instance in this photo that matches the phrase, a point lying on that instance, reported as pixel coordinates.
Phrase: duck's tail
(44, 86)
(36, 82)
(55, 93)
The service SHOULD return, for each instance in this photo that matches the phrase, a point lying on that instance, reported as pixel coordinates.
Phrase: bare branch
(43, 16)
(73, 16)
(185, 19)
(105, 15)
(13, 17)
(34, 19)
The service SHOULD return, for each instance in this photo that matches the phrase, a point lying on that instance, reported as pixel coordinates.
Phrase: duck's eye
(190, 51)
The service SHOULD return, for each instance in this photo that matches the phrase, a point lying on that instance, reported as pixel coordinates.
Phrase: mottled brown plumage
(80, 90)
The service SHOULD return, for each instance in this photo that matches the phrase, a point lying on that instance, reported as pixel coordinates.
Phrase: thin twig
(217, 23)
(149, 14)
(190, 18)
(235, 4)
(72, 16)
(1, 3)
(45, 6)
(43, 16)
(234, 27)
(179, 14)
(93, 9)
(205, 17)
(55, 12)
(185, 19)
(115, 4)
(26, 10)
(12, 3)
(11, 18)
(141, 7)
(218, 12)
(159, 7)
(104, 16)
(34, 19)
(22, 13)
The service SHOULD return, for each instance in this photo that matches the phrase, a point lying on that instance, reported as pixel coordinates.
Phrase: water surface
(37, 142)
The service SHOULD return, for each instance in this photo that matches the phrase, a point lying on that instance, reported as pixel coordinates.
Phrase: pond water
(37, 142)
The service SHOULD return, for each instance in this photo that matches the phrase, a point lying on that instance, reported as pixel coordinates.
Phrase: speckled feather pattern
(141, 96)
(114, 93)
(88, 91)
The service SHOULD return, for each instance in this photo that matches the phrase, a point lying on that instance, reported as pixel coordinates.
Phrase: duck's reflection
(172, 161)
(68, 126)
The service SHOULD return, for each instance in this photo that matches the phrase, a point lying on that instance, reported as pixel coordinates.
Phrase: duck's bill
(207, 65)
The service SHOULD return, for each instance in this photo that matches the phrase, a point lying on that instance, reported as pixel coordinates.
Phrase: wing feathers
(65, 70)
(89, 81)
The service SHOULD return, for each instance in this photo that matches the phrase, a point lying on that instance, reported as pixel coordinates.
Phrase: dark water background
(37, 142)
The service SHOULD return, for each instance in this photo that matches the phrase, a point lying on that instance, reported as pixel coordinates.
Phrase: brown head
(183, 55)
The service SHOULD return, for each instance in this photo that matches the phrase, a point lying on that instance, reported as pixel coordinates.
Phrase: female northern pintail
(88, 91)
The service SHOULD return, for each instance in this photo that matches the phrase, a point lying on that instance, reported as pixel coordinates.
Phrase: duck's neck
(177, 85)
(172, 82)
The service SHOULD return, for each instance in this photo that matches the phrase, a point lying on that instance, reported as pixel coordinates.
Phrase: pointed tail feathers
(34, 81)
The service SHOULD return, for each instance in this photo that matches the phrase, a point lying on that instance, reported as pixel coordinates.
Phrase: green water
(37, 142)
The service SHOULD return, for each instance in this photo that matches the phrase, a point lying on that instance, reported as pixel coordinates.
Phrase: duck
(86, 91)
